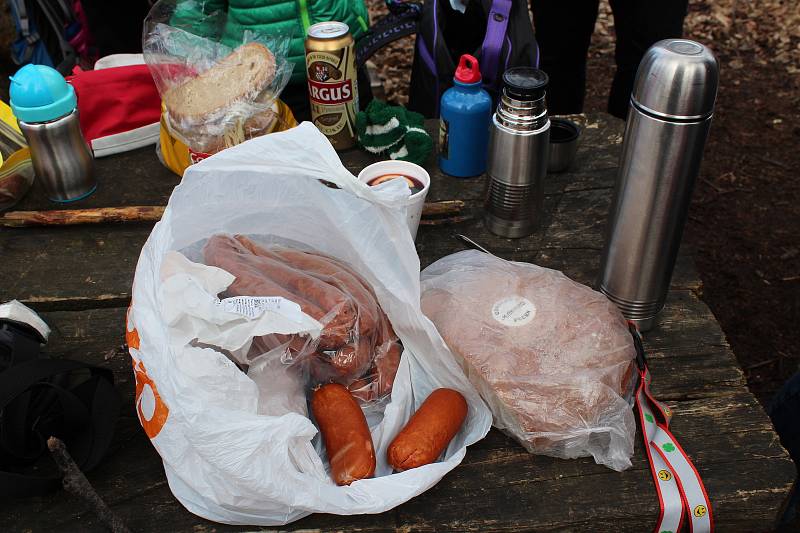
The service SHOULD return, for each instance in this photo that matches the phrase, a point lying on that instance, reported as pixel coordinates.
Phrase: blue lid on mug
(40, 94)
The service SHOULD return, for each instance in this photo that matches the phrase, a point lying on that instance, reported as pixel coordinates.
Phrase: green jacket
(276, 15)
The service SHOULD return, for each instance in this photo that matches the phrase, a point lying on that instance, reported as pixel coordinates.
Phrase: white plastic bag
(224, 461)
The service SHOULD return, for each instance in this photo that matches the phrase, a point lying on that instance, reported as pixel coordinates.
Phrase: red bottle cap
(468, 70)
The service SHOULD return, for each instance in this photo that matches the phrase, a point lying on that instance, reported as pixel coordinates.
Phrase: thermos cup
(46, 107)
(519, 146)
(668, 121)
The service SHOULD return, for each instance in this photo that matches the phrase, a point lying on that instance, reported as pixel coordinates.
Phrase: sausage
(386, 363)
(334, 272)
(341, 314)
(344, 429)
(352, 359)
(429, 430)
(223, 252)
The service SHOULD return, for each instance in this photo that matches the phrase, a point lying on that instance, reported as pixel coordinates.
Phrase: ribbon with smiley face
(676, 479)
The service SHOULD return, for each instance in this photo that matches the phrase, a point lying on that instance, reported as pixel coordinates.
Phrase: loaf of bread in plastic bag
(551, 357)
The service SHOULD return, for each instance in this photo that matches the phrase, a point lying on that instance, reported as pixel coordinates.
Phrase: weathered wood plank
(132, 178)
(70, 267)
(503, 487)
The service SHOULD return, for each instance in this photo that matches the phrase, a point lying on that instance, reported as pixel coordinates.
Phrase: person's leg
(563, 31)
(638, 25)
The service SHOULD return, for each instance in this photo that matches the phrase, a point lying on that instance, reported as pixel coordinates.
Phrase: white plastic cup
(415, 201)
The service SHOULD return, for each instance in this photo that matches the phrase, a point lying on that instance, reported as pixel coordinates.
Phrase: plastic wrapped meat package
(357, 346)
(551, 357)
(336, 330)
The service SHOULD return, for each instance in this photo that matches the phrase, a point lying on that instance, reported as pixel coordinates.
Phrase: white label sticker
(513, 311)
(255, 306)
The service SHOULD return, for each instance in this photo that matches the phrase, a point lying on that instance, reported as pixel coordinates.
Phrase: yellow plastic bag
(178, 157)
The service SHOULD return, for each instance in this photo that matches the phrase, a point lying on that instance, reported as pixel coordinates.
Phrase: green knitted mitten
(393, 130)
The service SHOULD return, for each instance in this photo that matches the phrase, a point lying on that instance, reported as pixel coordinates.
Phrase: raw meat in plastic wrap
(357, 347)
(551, 357)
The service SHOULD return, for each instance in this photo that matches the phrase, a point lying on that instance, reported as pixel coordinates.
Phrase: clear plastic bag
(357, 346)
(183, 44)
(551, 357)
(16, 167)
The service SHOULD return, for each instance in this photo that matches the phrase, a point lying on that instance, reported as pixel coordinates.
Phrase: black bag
(41, 397)
(498, 33)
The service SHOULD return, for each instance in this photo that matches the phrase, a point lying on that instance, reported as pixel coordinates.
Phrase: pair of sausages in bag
(348, 441)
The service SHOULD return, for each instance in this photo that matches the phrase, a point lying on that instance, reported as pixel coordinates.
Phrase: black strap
(402, 20)
(39, 398)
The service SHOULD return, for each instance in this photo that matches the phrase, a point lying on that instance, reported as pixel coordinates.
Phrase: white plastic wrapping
(239, 448)
(551, 357)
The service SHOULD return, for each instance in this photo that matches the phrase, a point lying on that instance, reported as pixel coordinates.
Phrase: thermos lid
(40, 94)
(677, 78)
(525, 83)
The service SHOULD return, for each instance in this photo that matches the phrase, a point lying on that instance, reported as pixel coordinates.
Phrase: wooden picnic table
(79, 278)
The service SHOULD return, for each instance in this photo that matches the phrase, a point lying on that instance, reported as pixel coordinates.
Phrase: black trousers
(564, 30)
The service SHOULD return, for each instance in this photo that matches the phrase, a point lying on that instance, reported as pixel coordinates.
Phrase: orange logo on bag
(147, 393)
(131, 335)
(132, 338)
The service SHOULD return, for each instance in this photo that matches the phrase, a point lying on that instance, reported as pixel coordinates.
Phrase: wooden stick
(444, 208)
(101, 215)
(76, 483)
(69, 217)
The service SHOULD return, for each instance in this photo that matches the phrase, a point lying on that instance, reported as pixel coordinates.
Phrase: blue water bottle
(466, 112)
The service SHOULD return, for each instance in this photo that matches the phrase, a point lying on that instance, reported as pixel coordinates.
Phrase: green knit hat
(393, 130)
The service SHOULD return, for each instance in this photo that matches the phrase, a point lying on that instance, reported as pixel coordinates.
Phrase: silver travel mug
(668, 121)
(519, 146)
(61, 158)
(46, 108)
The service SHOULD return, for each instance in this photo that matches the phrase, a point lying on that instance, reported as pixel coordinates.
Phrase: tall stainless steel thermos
(46, 108)
(519, 146)
(668, 122)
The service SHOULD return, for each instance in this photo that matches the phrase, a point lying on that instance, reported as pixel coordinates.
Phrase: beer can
(332, 85)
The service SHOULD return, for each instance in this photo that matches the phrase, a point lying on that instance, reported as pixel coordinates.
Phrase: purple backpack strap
(493, 41)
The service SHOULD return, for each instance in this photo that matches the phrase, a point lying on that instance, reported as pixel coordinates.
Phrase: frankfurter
(352, 359)
(341, 315)
(337, 274)
(429, 431)
(344, 430)
(223, 252)
(260, 276)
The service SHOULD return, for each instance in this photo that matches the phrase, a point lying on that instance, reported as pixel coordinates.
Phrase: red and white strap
(677, 481)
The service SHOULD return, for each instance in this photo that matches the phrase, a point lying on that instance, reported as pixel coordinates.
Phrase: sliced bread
(241, 76)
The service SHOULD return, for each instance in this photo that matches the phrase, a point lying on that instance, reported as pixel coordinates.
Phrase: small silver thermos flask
(46, 107)
(668, 122)
(519, 146)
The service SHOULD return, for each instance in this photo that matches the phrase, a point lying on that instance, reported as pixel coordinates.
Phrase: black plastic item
(18, 342)
(40, 398)
(525, 83)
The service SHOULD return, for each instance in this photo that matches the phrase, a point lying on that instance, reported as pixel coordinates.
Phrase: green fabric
(273, 15)
(393, 131)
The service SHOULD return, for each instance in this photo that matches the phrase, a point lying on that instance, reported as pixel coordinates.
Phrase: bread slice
(239, 77)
